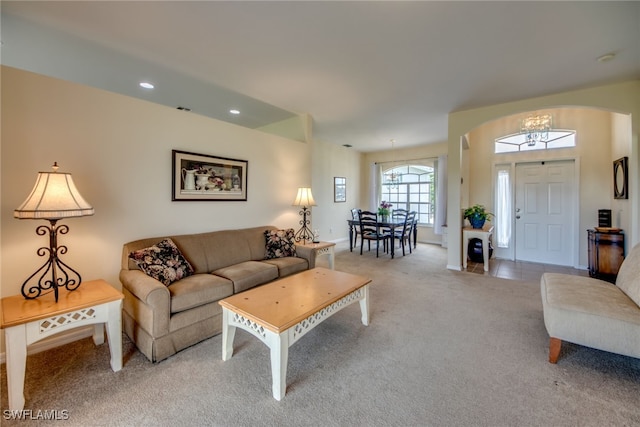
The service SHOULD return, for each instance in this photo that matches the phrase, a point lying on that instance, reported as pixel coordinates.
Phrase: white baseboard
(341, 239)
(56, 341)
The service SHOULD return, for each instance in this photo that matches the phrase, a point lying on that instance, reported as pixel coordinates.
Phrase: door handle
(517, 216)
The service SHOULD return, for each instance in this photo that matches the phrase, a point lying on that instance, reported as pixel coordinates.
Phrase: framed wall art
(620, 179)
(207, 178)
(339, 189)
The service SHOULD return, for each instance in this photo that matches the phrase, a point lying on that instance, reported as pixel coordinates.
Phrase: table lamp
(304, 199)
(54, 197)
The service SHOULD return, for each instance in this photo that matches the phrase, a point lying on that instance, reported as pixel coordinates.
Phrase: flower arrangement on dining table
(384, 209)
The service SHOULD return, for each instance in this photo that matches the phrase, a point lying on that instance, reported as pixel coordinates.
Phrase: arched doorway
(617, 97)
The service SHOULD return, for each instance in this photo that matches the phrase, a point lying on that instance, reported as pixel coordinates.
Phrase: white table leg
(228, 334)
(485, 252)
(332, 258)
(364, 305)
(114, 333)
(279, 345)
(465, 252)
(98, 334)
(16, 353)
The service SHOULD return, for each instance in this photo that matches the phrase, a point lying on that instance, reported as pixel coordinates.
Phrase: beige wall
(329, 161)
(622, 98)
(593, 154)
(118, 150)
(621, 143)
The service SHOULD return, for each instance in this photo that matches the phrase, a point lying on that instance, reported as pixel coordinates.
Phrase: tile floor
(520, 270)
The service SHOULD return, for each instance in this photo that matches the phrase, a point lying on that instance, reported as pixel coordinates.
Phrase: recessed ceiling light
(234, 111)
(606, 57)
(146, 85)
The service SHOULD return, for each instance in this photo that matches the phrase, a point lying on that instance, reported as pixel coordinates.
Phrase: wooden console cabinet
(606, 253)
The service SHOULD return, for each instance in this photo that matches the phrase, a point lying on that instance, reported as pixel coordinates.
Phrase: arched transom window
(554, 138)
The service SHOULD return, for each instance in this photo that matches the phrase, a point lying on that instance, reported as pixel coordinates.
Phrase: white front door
(545, 212)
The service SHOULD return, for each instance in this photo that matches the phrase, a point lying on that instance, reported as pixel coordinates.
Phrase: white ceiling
(367, 72)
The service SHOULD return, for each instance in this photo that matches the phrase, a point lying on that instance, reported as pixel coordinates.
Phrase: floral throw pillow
(280, 243)
(163, 261)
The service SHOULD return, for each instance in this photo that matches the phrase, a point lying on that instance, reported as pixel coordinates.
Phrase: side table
(28, 321)
(483, 234)
(322, 248)
(606, 253)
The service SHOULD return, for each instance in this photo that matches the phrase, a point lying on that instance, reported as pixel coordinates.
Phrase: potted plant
(477, 215)
(384, 210)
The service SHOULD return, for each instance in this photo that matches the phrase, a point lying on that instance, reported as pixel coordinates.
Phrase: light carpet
(443, 348)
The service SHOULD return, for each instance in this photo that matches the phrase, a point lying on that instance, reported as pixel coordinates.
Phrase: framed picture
(620, 179)
(210, 178)
(339, 189)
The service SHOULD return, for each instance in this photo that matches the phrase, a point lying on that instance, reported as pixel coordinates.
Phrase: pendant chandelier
(393, 178)
(536, 128)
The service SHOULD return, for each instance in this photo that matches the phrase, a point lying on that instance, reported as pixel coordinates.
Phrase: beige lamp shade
(304, 198)
(54, 196)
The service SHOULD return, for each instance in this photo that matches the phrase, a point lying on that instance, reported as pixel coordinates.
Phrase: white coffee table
(282, 312)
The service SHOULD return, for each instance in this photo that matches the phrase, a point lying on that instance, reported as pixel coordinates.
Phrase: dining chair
(399, 213)
(398, 216)
(414, 225)
(369, 230)
(355, 215)
(404, 234)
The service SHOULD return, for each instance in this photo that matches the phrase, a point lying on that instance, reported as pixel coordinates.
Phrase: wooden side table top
(281, 304)
(485, 229)
(317, 245)
(17, 310)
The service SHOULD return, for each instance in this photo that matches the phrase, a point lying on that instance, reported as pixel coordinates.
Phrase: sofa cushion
(587, 295)
(280, 243)
(197, 290)
(163, 261)
(246, 275)
(628, 279)
(289, 265)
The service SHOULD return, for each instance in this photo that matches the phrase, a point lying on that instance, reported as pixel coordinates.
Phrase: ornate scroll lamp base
(305, 233)
(54, 273)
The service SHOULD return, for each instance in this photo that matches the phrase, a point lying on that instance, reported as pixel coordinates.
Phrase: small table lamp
(304, 199)
(54, 197)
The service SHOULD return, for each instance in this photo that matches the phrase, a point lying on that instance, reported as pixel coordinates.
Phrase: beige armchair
(592, 312)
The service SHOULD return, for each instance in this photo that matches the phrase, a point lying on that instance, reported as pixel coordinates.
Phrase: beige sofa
(592, 312)
(162, 320)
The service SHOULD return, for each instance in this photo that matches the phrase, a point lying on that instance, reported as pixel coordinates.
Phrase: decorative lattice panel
(324, 251)
(66, 319)
(249, 325)
(310, 322)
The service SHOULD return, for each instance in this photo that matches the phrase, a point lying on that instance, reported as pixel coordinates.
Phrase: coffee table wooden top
(17, 310)
(282, 304)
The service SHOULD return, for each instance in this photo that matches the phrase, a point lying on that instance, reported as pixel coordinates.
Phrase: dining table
(391, 224)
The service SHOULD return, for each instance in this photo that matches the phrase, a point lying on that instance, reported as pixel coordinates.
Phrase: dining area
(384, 230)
